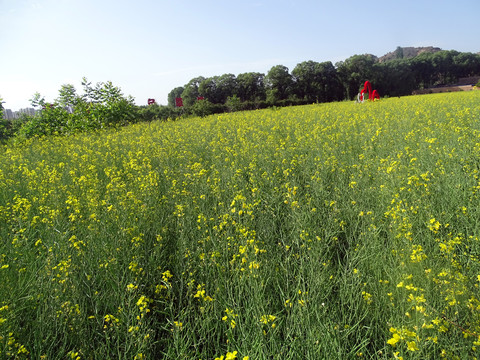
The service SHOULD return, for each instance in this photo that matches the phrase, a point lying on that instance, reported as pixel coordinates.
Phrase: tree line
(312, 81)
(104, 105)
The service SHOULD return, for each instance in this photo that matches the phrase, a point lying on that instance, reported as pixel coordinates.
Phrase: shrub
(233, 103)
(204, 108)
(50, 120)
(99, 107)
(157, 112)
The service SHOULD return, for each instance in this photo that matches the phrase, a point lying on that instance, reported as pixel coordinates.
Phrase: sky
(148, 48)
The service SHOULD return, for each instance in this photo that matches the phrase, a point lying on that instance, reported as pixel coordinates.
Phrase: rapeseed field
(328, 231)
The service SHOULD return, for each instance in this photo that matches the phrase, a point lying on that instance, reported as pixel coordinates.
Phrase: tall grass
(316, 232)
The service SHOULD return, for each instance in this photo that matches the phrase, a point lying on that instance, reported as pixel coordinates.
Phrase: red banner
(151, 101)
(200, 98)
(178, 102)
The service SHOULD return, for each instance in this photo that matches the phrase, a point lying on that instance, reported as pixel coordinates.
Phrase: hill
(407, 52)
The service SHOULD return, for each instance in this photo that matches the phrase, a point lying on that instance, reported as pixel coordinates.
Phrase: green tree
(110, 93)
(209, 89)
(466, 64)
(399, 52)
(67, 96)
(251, 86)
(217, 89)
(278, 84)
(190, 92)
(444, 66)
(332, 85)
(354, 71)
(316, 82)
(227, 87)
(233, 103)
(423, 70)
(394, 78)
(102, 93)
(37, 101)
(307, 80)
(175, 93)
(91, 94)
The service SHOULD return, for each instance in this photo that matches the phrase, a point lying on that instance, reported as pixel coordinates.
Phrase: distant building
(28, 111)
(10, 115)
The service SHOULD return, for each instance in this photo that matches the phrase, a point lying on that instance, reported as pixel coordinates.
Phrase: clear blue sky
(147, 48)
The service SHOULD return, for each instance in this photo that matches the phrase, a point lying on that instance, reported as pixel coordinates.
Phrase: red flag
(178, 102)
(200, 98)
(151, 101)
